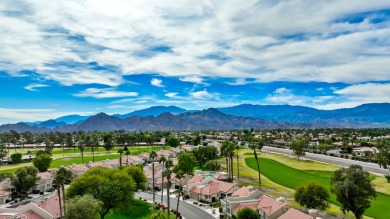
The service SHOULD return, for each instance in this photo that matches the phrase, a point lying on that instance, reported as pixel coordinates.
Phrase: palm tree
(255, 144)
(238, 166)
(63, 175)
(95, 143)
(120, 151)
(168, 174)
(127, 153)
(81, 146)
(179, 175)
(153, 156)
(162, 160)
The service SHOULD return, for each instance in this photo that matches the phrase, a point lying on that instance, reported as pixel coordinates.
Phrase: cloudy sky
(87, 56)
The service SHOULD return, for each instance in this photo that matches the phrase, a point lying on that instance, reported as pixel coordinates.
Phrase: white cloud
(202, 94)
(193, 79)
(104, 93)
(156, 82)
(171, 95)
(32, 87)
(235, 40)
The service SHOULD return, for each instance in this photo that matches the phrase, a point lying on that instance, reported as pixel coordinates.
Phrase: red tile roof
(267, 204)
(252, 206)
(50, 205)
(294, 213)
(270, 205)
(196, 179)
(213, 188)
(242, 192)
(4, 192)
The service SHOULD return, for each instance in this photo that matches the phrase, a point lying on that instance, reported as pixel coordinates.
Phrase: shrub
(16, 158)
(388, 178)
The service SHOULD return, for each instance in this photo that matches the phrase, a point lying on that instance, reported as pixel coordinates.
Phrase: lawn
(76, 160)
(292, 178)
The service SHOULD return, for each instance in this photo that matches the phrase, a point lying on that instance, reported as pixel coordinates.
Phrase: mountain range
(237, 117)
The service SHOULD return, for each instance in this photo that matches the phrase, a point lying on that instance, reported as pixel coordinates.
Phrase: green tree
(113, 188)
(186, 162)
(173, 142)
(312, 196)
(24, 179)
(247, 213)
(298, 147)
(16, 158)
(107, 141)
(159, 215)
(83, 207)
(42, 162)
(138, 175)
(212, 165)
(353, 189)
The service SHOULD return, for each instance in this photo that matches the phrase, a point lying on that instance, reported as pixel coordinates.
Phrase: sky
(87, 56)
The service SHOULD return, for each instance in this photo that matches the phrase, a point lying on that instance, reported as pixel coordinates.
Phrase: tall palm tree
(238, 166)
(81, 146)
(179, 175)
(254, 145)
(153, 156)
(62, 176)
(162, 160)
(168, 175)
(127, 153)
(120, 151)
(95, 143)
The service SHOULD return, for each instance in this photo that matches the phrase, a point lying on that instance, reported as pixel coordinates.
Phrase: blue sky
(88, 56)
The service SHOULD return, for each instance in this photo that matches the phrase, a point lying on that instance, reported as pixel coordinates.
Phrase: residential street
(371, 167)
(188, 211)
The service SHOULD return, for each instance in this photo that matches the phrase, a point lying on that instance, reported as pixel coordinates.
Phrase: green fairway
(292, 178)
(68, 159)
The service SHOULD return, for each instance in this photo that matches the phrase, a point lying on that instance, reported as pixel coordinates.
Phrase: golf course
(290, 177)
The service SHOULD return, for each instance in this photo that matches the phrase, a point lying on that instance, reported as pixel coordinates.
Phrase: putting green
(292, 178)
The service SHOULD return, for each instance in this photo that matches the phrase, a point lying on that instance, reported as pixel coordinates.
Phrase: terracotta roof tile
(294, 213)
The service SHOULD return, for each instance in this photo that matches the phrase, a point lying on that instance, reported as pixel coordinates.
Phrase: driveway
(370, 167)
(188, 211)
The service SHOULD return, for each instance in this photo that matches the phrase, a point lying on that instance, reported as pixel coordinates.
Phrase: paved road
(371, 167)
(188, 211)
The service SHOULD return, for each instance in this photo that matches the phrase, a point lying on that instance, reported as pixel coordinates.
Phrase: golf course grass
(292, 178)
(68, 159)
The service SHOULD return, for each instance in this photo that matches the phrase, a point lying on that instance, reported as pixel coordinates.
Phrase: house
(363, 151)
(77, 170)
(145, 157)
(294, 213)
(45, 182)
(209, 190)
(47, 208)
(112, 164)
(5, 195)
(266, 206)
